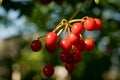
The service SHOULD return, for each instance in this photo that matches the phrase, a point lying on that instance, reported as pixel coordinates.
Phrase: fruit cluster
(49, 1)
(72, 43)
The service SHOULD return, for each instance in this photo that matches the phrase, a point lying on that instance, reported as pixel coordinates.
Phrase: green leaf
(0, 1)
(97, 1)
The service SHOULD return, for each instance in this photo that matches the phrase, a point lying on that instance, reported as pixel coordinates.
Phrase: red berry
(70, 59)
(36, 45)
(50, 48)
(77, 56)
(64, 56)
(89, 24)
(89, 44)
(65, 44)
(72, 37)
(79, 45)
(98, 24)
(45, 1)
(51, 38)
(77, 28)
(70, 67)
(48, 70)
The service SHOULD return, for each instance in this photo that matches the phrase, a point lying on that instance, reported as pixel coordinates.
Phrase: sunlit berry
(98, 24)
(77, 28)
(51, 38)
(89, 24)
(89, 44)
(72, 37)
(65, 44)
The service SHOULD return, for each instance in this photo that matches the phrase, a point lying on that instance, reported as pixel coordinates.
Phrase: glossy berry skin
(98, 24)
(72, 37)
(44, 1)
(65, 44)
(36, 45)
(89, 44)
(89, 24)
(77, 28)
(50, 48)
(70, 67)
(77, 56)
(48, 70)
(51, 38)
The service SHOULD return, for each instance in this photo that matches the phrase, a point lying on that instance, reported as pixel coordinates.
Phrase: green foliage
(16, 50)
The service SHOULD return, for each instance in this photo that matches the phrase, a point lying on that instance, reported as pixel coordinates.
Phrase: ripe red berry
(44, 1)
(48, 70)
(50, 48)
(36, 45)
(98, 24)
(77, 28)
(64, 56)
(77, 56)
(89, 24)
(79, 45)
(89, 44)
(70, 67)
(70, 59)
(65, 44)
(51, 38)
(72, 37)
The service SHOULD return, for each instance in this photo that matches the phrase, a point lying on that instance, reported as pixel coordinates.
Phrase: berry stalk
(78, 10)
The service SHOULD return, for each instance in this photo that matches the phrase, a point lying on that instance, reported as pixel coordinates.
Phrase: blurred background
(22, 21)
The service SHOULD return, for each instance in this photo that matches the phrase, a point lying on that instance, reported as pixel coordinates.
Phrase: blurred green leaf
(97, 1)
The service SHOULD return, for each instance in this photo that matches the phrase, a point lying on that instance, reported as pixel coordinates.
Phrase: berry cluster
(72, 43)
(49, 1)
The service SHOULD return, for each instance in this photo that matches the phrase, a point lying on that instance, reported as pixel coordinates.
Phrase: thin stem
(40, 37)
(59, 32)
(78, 20)
(81, 37)
(57, 27)
(85, 17)
(78, 10)
(49, 58)
(62, 23)
(69, 30)
(75, 20)
(69, 27)
(65, 30)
